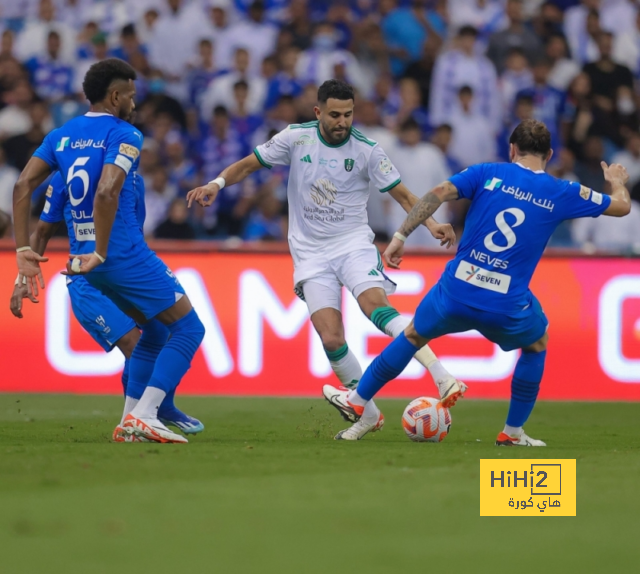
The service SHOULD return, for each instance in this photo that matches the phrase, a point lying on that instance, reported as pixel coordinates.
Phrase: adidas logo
(306, 159)
(373, 272)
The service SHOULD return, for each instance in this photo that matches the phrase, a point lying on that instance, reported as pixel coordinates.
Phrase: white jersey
(328, 187)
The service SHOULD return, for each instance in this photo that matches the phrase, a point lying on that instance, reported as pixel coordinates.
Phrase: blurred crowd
(440, 85)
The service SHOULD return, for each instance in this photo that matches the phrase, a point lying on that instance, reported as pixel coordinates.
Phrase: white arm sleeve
(382, 173)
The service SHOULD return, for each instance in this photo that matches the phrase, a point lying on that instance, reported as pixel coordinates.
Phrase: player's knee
(332, 340)
(413, 337)
(539, 346)
(128, 342)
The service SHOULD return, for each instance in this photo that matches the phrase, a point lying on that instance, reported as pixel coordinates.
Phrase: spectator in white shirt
(8, 177)
(14, 117)
(159, 193)
(517, 76)
(318, 64)
(630, 158)
(216, 28)
(473, 139)
(582, 25)
(459, 67)
(32, 41)
(422, 166)
(220, 90)
(626, 48)
(486, 16)
(563, 69)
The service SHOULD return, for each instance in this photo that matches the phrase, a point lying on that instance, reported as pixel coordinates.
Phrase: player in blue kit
(515, 207)
(97, 155)
(107, 325)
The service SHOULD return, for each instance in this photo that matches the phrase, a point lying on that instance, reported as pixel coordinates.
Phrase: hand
(87, 263)
(615, 173)
(20, 292)
(445, 233)
(204, 195)
(393, 253)
(29, 268)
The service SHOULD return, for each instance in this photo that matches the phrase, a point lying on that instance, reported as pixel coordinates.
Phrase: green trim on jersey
(305, 125)
(264, 163)
(356, 133)
(325, 142)
(396, 182)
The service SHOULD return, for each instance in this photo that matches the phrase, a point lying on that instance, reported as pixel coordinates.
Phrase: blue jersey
(79, 150)
(514, 211)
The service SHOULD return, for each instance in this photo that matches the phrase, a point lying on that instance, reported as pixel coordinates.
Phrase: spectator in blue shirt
(51, 79)
(129, 46)
(266, 222)
(284, 83)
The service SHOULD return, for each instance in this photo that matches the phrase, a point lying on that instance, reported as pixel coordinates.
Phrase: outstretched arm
(421, 211)
(34, 173)
(441, 231)
(617, 176)
(235, 173)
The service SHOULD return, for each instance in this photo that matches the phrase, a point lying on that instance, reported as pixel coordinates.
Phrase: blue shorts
(148, 286)
(98, 314)
(438, 315)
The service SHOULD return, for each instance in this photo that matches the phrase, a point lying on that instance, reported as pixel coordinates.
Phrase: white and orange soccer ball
(426, 420)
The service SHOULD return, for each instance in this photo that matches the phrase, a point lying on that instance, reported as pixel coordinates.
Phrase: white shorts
(319, 282)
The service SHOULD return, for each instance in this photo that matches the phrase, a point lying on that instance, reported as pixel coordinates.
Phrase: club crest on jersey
(323, 192)
(491, 184)
(349, 163)
(385, 166)
(62, 144)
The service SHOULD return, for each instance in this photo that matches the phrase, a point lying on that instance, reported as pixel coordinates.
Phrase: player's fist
(615, 173)
(393, 253)
(204, 195)
(445, 233)
(82, 264)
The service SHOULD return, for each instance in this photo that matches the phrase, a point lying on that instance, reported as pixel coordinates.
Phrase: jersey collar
(325, 142)
(529, 169)
(96, 114)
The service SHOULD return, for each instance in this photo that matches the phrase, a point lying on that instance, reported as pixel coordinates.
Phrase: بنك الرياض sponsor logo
(323, 192)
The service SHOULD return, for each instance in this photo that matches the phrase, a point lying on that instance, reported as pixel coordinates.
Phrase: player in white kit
(330, 240)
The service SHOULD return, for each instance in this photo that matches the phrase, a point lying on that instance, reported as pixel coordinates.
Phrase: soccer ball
(426, 420)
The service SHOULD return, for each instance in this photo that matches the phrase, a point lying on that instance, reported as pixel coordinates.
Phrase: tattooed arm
(421, 211)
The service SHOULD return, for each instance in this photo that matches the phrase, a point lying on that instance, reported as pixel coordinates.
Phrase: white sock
(371, 413)
(424, 356)
(396, 326)
(348, 370)
(356, 399)
(513, 431)
(129, 405)
(149, 403)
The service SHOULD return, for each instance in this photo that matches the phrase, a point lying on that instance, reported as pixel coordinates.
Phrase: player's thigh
(524, 329)
(439, 315)
(99, 316)
(323, 296)
(148, 286)
(362, 270)
(127, 343)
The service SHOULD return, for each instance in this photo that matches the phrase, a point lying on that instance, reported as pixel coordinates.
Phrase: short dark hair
(128, 30)
(533, 137)
(410, 124)
(220, 111)
(468, 31)
(102, 74)
(336, 89)
(465, 90)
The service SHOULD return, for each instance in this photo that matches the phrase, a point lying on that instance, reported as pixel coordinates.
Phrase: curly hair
(102, 74)
(335, 89)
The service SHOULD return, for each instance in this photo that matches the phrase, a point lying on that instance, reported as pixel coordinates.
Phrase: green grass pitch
(265, 489)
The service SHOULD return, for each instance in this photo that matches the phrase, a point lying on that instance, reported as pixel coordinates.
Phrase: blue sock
(525, 386)
(167, 408)
(125, 376)
(143, 359)
(386, 366)
(175, 358)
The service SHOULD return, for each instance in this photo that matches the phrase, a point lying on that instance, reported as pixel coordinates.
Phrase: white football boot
(359, 429)
(450, 390)
(151, 429)
(338, 399)
(523, 440)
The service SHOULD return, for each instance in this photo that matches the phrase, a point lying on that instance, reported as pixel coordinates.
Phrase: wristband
(219, 181)
(25, 248)
(24, 280)
(399, 236)
(102, 259)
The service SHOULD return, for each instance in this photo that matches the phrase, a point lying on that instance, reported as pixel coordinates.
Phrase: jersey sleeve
(47, 150)
(123, 148)
(581, 201)
(57, 196)
(382, 173)
(468, 181)
(276, 151)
